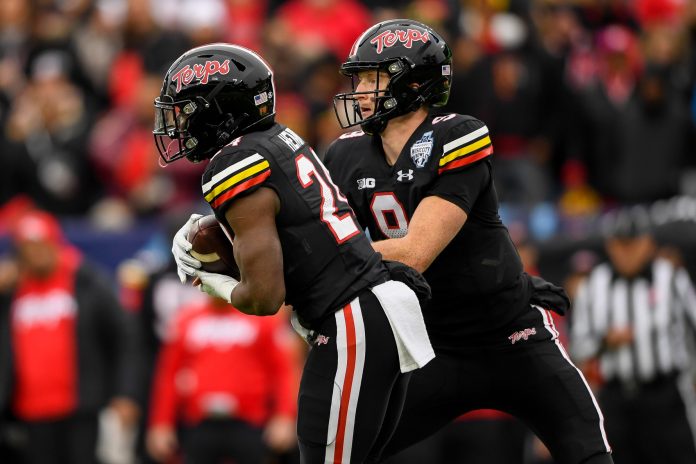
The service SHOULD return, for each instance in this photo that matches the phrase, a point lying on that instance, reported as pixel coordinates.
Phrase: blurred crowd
(591, 105)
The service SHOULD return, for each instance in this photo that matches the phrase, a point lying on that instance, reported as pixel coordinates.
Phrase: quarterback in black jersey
(296, 240)
(421, 184)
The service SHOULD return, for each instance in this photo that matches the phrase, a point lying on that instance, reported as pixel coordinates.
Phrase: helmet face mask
(379, 97)
(417, 61)
(172, 119)
(210, 96)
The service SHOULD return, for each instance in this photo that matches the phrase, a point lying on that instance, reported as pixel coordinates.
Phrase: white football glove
(185, 263)
(216, 285)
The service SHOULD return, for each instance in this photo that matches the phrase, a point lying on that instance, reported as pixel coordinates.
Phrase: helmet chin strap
(427, 91)
(374, 126)
(377, 125)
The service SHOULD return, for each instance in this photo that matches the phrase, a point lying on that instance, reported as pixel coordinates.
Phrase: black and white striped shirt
(660, 308)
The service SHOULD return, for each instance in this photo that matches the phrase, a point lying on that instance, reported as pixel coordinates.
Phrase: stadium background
(591, 105)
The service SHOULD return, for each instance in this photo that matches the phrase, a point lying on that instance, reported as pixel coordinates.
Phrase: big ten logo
(366, 183)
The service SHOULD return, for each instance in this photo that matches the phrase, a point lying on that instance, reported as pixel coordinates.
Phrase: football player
(295, 240)
(421, 183)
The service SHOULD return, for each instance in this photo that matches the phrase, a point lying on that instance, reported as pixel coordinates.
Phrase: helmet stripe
(354, 49)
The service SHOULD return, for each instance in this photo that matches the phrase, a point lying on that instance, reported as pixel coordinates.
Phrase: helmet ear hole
(226, 130)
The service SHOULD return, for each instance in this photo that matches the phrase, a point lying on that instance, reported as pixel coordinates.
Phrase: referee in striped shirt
(634, 318)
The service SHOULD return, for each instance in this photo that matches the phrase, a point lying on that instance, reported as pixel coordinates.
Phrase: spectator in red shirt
(311, 28)
(230, 380)
(67, 349)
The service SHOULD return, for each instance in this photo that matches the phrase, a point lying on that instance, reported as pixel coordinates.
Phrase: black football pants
(532, 379)
(352, 390)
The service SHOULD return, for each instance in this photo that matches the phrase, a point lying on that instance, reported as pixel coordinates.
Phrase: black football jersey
(327, 259)
(477, 281)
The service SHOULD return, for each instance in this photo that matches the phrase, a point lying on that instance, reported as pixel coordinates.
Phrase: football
(212, 247)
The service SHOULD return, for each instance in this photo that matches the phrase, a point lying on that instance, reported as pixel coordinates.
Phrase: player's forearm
(402, 250)
(255, 300)
(241, 299)
(434, 224)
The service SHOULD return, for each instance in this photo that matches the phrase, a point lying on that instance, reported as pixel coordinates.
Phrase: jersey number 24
(343, 227)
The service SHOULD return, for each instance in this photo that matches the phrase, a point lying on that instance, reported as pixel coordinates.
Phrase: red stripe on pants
(347, 383)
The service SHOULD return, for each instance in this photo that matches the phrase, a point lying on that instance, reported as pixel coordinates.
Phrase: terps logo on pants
(201, 72)
(521, 335)
(388, 38)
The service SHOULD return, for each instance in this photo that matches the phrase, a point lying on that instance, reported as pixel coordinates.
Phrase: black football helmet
(410, 53)
(211, 95)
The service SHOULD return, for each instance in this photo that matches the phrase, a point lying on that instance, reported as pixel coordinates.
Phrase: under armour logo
(321, 340)
(406, 176)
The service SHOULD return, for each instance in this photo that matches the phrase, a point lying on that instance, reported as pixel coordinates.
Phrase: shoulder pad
(450, 120)
(467, 140)
(444, 117)
(233, 172)
(343, 146)
(230, 147)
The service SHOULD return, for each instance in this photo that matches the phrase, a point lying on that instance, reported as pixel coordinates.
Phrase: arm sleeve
(467, 142)
(463, 172)
(462, 187)
(232, 174)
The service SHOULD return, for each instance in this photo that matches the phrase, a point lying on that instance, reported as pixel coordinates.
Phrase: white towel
(406, 320)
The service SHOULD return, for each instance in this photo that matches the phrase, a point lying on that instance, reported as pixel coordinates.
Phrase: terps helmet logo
(388, 38)
(201, 72)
